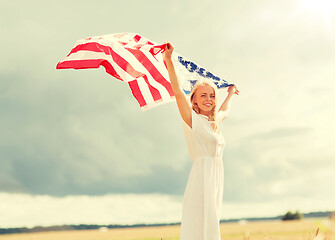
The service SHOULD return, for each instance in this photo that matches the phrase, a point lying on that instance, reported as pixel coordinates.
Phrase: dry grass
(280, 230)
(269, 230)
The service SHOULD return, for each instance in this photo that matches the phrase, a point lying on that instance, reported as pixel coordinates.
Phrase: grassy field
(267, 230)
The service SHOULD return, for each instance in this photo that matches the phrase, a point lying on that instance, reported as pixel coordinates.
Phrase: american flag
(134, 59)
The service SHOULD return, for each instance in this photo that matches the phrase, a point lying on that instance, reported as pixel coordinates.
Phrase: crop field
(266, 230)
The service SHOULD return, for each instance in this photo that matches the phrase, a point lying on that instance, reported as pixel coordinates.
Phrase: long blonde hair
(195, 106)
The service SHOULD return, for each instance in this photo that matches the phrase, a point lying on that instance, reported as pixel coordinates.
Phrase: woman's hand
(168, 51)
(233, 89)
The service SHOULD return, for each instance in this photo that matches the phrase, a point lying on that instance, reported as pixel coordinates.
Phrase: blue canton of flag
(195, 73)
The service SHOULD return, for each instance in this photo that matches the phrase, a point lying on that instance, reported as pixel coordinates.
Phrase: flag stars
(189, 67)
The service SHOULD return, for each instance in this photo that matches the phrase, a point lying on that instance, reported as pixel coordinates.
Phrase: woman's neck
(207, 114)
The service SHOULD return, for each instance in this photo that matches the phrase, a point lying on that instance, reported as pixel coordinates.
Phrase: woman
(203, 195)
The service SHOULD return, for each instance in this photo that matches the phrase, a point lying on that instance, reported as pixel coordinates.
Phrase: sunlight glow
(323, 8)
(320, 13)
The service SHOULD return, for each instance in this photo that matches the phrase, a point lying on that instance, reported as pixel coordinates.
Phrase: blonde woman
(203, 195)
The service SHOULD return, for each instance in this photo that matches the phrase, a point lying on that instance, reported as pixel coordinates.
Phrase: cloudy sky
(76, 148)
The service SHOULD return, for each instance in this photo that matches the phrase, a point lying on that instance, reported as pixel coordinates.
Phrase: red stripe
(137, 38)
(109, 69)
(96, 47)
(152, 69)
(154, 92)
(89, 63)
(137, 93)
(158, 48)
(123, 43)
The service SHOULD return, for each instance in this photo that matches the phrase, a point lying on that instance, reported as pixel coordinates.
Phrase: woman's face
(205, 99)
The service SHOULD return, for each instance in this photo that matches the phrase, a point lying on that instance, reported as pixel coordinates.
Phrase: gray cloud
(265, 171)
(67, 139)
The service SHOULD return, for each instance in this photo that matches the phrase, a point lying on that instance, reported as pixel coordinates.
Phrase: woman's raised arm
(182, 103)
(225, 107)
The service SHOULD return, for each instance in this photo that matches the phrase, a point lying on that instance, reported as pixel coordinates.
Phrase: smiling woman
(202, 200)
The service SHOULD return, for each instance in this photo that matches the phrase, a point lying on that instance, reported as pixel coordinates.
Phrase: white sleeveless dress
(203, 195)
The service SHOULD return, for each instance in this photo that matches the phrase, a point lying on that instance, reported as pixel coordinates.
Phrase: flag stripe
(152, 70)
(154, 92)
(89, 55)
(88, 63)
(137, 93)
(144, 88)
(158, 61)
(96, 47)
(137, 38)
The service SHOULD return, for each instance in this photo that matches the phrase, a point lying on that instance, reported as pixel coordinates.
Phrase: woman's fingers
(169, 46)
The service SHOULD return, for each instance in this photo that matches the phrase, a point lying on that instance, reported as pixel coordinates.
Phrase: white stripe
(144, 88)
(128, 37)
